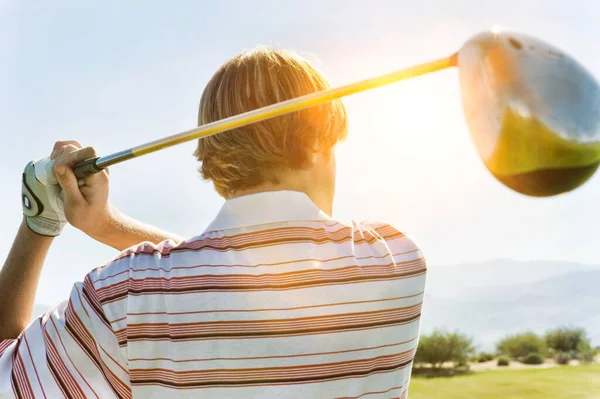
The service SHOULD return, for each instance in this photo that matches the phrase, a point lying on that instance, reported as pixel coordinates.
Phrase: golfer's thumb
(67, 181)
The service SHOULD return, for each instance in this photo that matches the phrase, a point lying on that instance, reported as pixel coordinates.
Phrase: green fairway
(576, 382)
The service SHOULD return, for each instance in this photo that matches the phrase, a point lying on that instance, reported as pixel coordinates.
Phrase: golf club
(532, 111)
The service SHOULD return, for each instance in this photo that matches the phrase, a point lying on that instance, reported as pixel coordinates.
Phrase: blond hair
(248, 156)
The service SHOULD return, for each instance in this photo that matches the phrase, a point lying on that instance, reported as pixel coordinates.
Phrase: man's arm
(75, 338)
(19, 279)
(88, 208)
(20, 274)
(121, 231)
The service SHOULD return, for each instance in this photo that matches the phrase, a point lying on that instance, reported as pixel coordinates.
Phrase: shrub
(562, 358)
(565, 339)
(520, 345)
(585, 352)
(462, 364)
(485, 357)
(533, 358)
(441, 347)
(503, 361)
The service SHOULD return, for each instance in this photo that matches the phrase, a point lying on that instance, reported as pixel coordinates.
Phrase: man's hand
(47, 207)
(85, 203)
(42, 204)
(86, 206)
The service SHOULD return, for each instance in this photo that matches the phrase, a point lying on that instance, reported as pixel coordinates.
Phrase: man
(275, 299)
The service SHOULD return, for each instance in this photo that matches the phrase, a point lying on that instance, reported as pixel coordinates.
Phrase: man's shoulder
(149, 257)
(383, 235)
(324, 231)
(376, 227)
(118, 267)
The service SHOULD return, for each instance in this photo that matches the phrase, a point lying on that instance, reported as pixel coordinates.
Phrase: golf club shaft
(94, 165)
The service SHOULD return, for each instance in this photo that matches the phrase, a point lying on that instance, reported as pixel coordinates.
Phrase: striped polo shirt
(274, 300)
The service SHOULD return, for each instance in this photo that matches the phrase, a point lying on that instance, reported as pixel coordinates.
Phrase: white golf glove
(42, 200)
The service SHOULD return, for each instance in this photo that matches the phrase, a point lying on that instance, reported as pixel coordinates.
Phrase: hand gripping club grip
(44, 170)
(86, 168)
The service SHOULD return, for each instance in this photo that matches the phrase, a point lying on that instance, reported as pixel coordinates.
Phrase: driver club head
(533, 112)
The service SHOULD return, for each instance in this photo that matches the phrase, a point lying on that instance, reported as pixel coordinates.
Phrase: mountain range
(489, 300)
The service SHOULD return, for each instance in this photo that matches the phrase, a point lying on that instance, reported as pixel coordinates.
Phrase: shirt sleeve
(71, 351)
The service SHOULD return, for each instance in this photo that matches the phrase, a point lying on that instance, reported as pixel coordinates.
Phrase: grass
(573, 382)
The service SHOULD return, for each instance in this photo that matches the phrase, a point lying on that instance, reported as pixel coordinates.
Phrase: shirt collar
(266, 207)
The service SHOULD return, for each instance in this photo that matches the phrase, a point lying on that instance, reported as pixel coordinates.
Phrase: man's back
(275, 299)
(271, 301)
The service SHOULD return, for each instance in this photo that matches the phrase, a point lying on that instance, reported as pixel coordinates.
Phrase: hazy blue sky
(114, 74)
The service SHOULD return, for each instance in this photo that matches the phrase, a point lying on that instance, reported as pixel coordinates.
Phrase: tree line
(561, 344)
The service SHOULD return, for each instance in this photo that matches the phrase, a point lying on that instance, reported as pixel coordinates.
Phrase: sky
(116, 74)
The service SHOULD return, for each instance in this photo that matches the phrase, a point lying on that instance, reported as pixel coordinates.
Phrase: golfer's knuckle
(70, 148)
(64, 143)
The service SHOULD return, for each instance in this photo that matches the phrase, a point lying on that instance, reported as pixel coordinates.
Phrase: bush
(562, 358)
(462, 364)
(441, 347)
(565, 339)
(533, 358)
(485, 357)
(585, 352)
(520, 345)
(503, 361)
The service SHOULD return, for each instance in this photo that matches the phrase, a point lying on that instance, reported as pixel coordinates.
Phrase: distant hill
(452, 281)
(492, 299)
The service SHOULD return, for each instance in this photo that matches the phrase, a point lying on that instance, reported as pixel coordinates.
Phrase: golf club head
(533, 112)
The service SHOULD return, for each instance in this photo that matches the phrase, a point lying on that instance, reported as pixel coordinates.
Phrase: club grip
(86, 168)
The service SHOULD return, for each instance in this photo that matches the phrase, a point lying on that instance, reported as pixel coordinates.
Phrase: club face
(533, 112)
